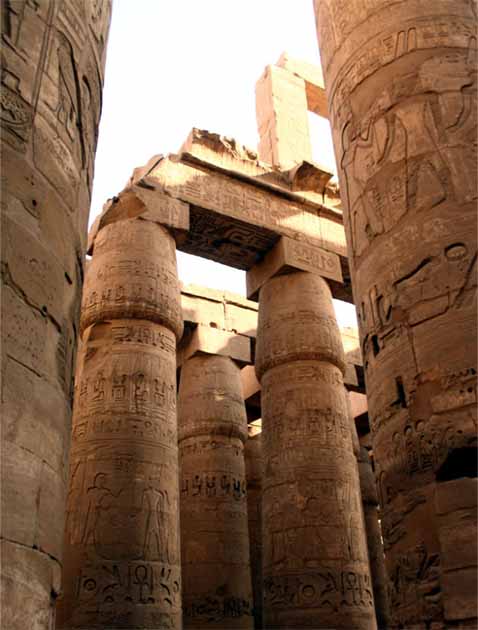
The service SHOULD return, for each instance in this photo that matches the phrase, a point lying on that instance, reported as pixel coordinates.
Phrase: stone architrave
(401, 87)
(253, 454)
(287, 255)
(52, 72)
(315, 563)
(206, 340)
(217, 591)
(122, 546)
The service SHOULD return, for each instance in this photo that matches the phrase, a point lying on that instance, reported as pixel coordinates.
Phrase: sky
(176, 64)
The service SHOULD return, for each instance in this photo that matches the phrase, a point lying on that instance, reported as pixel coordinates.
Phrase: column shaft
(374, 539)
(214, 529)
(253, 453)
(401, 86)
(315, 565)
(52, 72)
(122, 548)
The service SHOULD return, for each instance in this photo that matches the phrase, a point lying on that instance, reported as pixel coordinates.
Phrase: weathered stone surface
(253, 455)
(281, 113)
(52, 73)
(236, 218)
(133, 275)
(122, 532)
(143, 202)
(217, 588)
(313, 79)
(297, 322)
(315, 563)
(122, 547)
(206, 340)
(30, 583)
(374, 539)
(289, 255)
(401, 87)
(456, 505)
(207, 310)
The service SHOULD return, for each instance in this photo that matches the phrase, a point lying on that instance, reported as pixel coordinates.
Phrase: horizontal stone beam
(206, 340)
(288, 255)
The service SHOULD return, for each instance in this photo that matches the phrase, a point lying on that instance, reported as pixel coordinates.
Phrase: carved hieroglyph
(401, 84)
(212, 421)
(253, 454)
(315, 564)
(52, 64)
(122, 547)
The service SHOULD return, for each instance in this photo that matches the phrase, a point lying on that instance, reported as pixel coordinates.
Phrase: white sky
(177, 64)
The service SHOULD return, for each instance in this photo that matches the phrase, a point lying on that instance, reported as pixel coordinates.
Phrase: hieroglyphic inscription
(328, 589)
(402, 99)
(215, 550)
(238, 200)
(213, 485)
(314, 550)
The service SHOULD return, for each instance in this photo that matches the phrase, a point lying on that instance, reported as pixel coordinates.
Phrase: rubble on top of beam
(225, 153)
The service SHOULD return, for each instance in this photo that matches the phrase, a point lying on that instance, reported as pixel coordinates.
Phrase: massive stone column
(253, 453)
(315, 565)
(52, 67)
(373, 532)
(122, 548)
(374, 539)
(217, 589)
(401, 85)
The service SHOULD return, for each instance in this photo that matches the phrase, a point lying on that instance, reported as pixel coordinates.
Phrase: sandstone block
(205, 340)
(290, 255)
(145, 201)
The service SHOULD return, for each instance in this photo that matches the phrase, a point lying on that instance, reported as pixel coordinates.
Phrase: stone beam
(239, 209)
(206, 340)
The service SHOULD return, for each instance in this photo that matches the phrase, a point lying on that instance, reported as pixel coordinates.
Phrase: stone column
(374, 539)
(122, 548)
(253, 454)
(214, 529)
(401, 86)
(52, 71)
(315, 565)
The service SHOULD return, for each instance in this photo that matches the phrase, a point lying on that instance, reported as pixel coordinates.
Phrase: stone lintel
(288, 255)
(146, 202)
(206, 340)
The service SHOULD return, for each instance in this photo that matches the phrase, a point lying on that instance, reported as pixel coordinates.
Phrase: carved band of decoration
(215, 551)
(315, 562)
